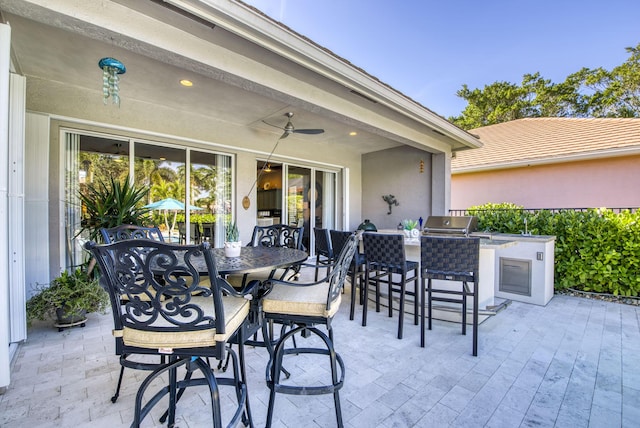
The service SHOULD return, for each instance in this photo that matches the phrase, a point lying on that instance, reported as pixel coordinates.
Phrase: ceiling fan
(290, 129)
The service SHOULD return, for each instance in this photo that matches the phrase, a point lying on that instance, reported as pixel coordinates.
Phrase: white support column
(5, 62)
(16, 211)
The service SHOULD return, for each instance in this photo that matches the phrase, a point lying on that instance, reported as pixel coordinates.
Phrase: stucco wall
(74, 103)
(74, 107)
(397, 172)
(611, 182)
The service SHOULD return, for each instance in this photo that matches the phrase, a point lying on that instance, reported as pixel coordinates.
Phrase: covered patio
(572, 363)
(248, 73)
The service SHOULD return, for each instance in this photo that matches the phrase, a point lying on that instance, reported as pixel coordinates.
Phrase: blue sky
(428, 49)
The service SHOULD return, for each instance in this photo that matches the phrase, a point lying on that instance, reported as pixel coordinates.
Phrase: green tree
(614, 93)
(586, 93)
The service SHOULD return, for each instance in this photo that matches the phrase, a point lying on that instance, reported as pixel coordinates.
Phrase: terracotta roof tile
(546, 139)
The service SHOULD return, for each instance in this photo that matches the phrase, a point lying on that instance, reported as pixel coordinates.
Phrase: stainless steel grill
(451, 225)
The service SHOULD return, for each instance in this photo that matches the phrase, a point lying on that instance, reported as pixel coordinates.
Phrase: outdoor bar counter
(524, 260)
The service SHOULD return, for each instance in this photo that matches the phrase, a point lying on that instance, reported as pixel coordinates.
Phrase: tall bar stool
(385, 256)
(356, 269)
(450, 259)
(121, 233)
(181, 318)
(305, 306)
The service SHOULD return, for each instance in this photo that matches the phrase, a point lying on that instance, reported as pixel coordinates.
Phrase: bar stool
(385, 256)
(306, 306)
(450, 259)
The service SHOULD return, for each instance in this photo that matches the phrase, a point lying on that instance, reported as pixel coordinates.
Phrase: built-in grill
(450, 225)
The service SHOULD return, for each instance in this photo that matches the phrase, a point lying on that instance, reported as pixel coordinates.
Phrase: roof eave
(600, 154)
(249, 23)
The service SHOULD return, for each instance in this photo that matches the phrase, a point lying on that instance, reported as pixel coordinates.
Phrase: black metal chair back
(323, 250)
(340, 270)
(174, 302)
(450, 259)
(277, 235)
(339, 238)
(130, 231)
(163, 305)
(385, 256)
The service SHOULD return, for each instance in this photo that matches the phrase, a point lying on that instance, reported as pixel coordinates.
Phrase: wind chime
(111, 68)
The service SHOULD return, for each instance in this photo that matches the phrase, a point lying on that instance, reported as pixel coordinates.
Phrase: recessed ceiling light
(187, 83)
(353, 133)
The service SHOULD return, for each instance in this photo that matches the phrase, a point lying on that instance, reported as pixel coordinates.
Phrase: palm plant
(112, 204)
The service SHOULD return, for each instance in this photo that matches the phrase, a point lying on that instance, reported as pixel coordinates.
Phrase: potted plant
(410, 228)
(68, 299)
(232, 242)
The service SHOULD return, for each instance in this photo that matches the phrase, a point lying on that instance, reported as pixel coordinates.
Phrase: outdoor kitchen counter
(489, 246)
(538, 249)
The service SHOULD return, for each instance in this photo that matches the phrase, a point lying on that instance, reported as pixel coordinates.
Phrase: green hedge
(595, 250)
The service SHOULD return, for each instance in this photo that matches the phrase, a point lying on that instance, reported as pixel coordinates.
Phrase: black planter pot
(65, 320)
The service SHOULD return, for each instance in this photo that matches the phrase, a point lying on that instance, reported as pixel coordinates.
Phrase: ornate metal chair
(324, 250)
(130, 231)
(304, 306)
(450, 259)
(121, 233)
(277, 235)
(356, 269)
(385, 256)
(192, 322)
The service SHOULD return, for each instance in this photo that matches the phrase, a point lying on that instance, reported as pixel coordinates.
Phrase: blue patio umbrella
(170, 204)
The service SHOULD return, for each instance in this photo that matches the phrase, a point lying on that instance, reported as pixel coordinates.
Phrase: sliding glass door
(310, 206)
(166, 170)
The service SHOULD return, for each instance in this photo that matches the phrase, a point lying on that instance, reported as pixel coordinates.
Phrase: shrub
(595, 250)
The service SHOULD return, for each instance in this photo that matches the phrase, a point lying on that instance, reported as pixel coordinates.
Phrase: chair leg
(429, 291)
(247, 419)
(422, 310)
(377, 290)
(390, 291)
(464, 308)
(141, 411)
(353, 294)
(365, 304)
(401, 310)
(274, 367)
(475, 318)
(416, 300)
(117, 393)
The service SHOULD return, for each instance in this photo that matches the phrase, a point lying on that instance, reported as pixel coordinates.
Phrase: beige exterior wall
(397, 172)
(612, 182)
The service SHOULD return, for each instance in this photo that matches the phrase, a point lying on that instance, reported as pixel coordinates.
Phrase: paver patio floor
(573, 363)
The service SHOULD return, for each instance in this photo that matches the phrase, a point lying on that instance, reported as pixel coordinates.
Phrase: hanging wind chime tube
(111, 68)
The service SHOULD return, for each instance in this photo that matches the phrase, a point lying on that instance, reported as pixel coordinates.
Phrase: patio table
(254, 259)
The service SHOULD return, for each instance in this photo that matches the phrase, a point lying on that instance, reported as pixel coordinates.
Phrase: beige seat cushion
(236, 310)
(304, 300)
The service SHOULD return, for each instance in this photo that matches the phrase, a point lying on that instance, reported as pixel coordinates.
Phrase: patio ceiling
(238, 82)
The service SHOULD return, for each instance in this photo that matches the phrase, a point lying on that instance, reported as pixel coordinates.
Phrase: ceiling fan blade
(285, 135)
(308, 131)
